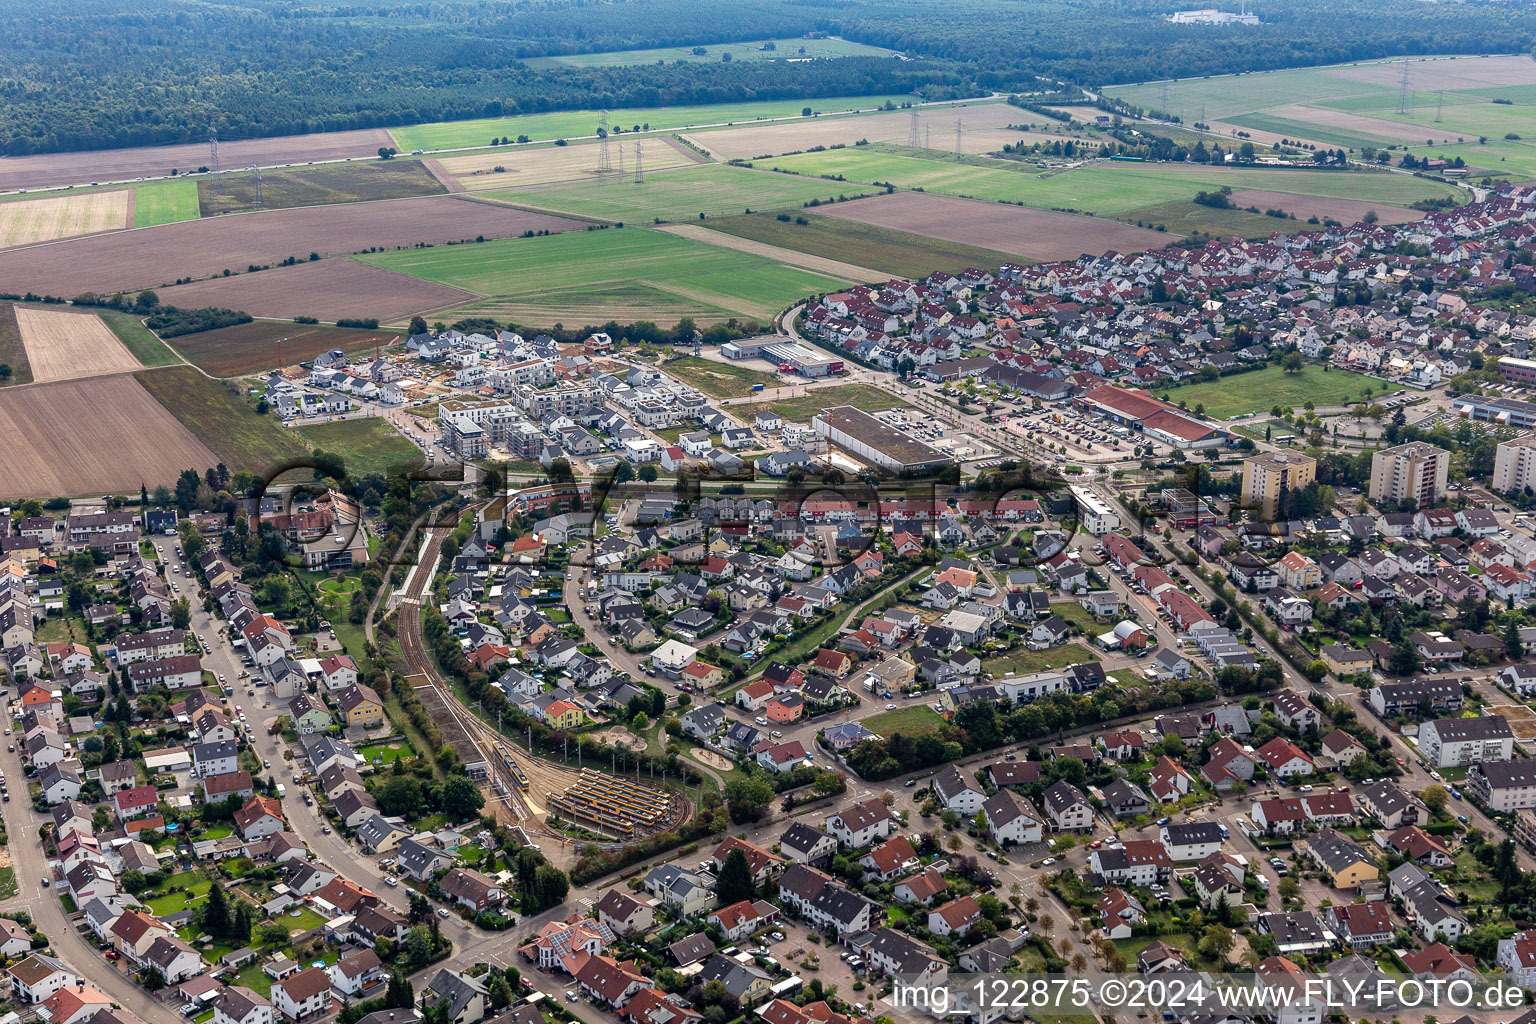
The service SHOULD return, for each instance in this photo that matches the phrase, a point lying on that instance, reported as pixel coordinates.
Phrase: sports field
(1260, 390)
(319, 185)
(592, 276)
(710, 190)
(63, 216)
(759, 49)
(164, 202)
(717, 379)
(367, 444)
(575, 124)
(893, 252)
(1103, 189)
(224, 418)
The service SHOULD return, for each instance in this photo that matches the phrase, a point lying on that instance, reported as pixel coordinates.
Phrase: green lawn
(717, 379)
(354, 640)
(140, 340)
(681, 194)
(911, 721)
(865, 245)
(7, 883)
(784, 49)
(1101, 188)
(592, 276)
(218, 832)
(1260, 390)
(165, 202)
(800, 408)
(368, 444)
(579, 123)
(1023, 661)
(388, 753)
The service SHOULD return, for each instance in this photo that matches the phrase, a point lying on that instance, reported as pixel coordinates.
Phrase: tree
(1216, 942)
(462, 799)
(735, 881)
(418, 945)
(401, 795)
(1434, 798)
(272, 934)
(420, 909)
(648, 473)
(1291, 363)
(1513, 645)
(1405, 658)
(181, 613)
(399, 995)
(748, 797)
(214, 918)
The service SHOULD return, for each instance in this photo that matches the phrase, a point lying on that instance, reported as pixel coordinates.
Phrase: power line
(639, 155)
(213, 160)
(959, 130)
(604, 161)
(256, 173)
(912, 132)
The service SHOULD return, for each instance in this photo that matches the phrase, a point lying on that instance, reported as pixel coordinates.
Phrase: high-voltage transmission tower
(639, 172)
(959, 130)
(1404, 100)
(621, 159)
(912, 140)
(213, 161)
(604, 161)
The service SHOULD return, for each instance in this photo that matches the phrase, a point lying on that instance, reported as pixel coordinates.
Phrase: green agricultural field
(1222, 96)
(712, 190)
(12, 352)
(1103, 189)
(717, 379)
(582, 123)
(1291, 128)
(1186, 218)
(1260, 390)
(801, 408)
(317, 185)
(368, 444)
(894, 252)
(592, 276)
(224, 418)
(164, 202)
(140, 340)
(911, 721)
(785, 49)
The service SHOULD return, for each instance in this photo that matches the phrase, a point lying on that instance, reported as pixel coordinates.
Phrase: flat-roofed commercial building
(1509, 411)
(1266, 477)
(1414, 472)
(1094, 513)
(858, 432)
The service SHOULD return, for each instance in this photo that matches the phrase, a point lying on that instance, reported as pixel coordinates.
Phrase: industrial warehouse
(863, 435)
(1158, 420)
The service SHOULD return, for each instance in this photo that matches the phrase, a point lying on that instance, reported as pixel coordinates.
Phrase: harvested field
(65, 345)
(158, 161)
(222, 417)
(806, 261)
(252, 348)
(549, 164)
(1032, 234)
(935, 123)
(129, 439)
(42, 220)
(1346, 211)
(896, 253)
(12, 352)
(1448, 73)
(327, 290)
(317, 186)
(154, 257)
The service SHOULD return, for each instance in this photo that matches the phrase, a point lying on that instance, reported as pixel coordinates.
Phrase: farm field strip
(221, 417)
(712, 190)
(328, 290)
(583, 123)
(1105, 189)
(12, 352)
(145, 345)
(65, 345)
(785, 49)
(1346, 211)
(128, 439)
(50, 217)
(522, 167)
(985, 129)
(1017, 231)
(788, 257)
(892, 252)
(320, 185)
(615, 262)
(198, 249)
(165, 202)
(251, 348)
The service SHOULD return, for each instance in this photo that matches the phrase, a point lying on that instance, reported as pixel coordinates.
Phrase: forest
(97, 74)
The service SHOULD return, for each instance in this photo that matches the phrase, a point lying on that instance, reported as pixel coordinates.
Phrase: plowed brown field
(197, 249)
(91, 437)
(327, 290)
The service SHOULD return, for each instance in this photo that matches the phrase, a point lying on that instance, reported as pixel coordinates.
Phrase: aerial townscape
(665, 513)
